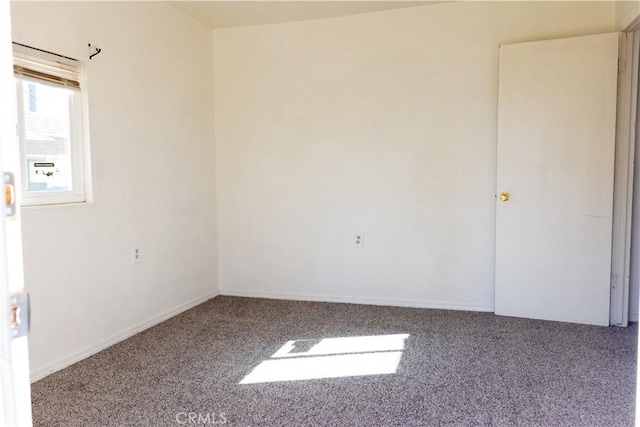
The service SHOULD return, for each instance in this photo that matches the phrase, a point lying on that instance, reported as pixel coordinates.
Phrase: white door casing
(623, 180)
(556, 140)
(14, 357)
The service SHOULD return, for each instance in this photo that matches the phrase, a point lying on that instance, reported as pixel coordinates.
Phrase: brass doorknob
(504, 196)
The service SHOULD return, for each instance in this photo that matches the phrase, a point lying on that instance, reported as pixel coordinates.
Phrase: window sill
(56, 206)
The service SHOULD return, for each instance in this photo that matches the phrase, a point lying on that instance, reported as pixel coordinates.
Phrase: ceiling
(220, 14)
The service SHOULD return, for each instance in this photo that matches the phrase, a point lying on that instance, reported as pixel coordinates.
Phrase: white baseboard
(633, 317)
(114, 339)
(443, 305)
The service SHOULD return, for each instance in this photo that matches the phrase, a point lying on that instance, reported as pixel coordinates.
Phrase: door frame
(8, 405)
(624, 174)
(623, 188)
(15, 386)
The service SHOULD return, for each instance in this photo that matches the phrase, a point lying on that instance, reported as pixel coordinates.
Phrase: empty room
(319, 213)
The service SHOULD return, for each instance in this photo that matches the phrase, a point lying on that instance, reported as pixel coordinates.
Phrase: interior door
(556, 140)
(15, 404)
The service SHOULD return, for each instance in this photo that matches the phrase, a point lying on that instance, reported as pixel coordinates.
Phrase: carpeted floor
(457, 369)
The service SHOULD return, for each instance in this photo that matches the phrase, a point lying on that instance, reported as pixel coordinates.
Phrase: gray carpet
(458, 369)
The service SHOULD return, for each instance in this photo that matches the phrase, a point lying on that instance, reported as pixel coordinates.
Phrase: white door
(15, 404)
(556, 140)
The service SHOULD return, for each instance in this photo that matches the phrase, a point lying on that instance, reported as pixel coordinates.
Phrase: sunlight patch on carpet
(331, 358)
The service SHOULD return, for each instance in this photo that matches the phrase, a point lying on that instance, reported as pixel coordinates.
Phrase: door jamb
(623, 178)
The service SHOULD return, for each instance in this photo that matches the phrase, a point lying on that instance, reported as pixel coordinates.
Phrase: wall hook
(96, 50)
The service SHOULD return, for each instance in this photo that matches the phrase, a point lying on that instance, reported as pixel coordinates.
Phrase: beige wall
(626, 13)
(150, 104)
(383, 123)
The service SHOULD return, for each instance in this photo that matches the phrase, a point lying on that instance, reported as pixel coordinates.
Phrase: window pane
(47, 136)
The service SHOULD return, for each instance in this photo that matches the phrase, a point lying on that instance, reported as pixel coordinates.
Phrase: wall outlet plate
(135, 254)
(358, 239)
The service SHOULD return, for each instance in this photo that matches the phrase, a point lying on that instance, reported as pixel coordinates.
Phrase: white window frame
(77, 142)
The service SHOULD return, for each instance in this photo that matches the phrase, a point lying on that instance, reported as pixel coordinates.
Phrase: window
(52, 146)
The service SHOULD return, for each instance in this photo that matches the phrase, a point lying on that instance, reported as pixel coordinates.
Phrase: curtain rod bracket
(97, 50)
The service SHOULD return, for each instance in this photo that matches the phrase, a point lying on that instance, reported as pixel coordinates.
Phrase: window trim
(78, 137)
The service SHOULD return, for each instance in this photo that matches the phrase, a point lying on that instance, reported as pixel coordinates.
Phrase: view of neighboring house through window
(49, 127)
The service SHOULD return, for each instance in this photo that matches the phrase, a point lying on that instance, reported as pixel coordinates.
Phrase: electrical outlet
(358, 239)
(135, 254)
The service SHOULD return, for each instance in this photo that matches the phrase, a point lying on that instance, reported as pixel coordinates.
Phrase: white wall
(150, 103)
(383, 123)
